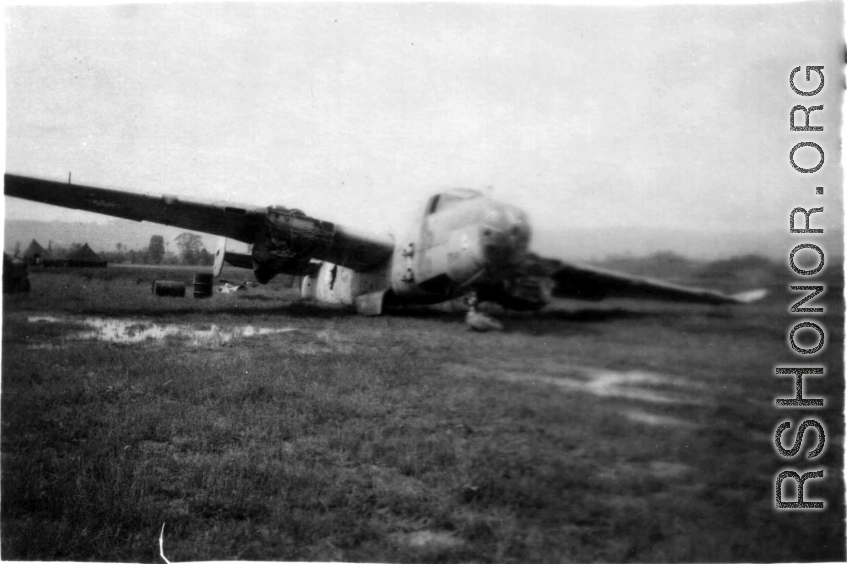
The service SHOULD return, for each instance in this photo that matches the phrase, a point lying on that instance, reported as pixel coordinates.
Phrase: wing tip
(749, 296)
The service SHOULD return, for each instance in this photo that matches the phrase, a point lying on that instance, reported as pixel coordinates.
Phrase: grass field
(260, 427)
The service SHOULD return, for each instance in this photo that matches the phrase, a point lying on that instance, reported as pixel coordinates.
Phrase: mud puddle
(429, 539)
(131, 331)
(641, 385)
(656, 420)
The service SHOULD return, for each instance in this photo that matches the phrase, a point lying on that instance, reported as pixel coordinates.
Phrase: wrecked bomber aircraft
(464, 243)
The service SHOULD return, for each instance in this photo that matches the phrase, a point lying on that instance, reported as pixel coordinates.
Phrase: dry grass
(403, 438)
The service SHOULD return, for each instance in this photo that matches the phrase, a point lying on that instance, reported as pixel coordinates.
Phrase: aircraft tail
(220, 252)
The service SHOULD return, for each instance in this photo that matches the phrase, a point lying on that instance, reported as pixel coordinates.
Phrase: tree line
(190, 251)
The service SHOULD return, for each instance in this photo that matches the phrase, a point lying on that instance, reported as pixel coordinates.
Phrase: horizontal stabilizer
(240, 260)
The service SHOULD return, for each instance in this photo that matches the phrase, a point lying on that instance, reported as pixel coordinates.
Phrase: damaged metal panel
(289, 239)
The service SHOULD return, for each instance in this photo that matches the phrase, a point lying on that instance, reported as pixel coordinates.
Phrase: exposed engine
(288, 241)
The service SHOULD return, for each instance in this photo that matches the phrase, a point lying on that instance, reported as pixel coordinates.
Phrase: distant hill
(597, 244)
(664, 265)
(738, 271)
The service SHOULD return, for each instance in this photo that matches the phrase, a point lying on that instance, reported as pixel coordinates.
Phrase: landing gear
(477, 320)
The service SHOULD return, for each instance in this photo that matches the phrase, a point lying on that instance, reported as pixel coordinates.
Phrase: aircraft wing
(224, 219)
(290, 234)
(584, 282)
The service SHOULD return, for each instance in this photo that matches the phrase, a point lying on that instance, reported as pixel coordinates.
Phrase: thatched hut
(36, 254)
(84, 257)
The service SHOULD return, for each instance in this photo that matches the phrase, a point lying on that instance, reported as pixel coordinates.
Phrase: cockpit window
(443, 201)
(433, 204)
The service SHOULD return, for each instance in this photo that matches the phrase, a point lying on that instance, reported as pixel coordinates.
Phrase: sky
(586, 117)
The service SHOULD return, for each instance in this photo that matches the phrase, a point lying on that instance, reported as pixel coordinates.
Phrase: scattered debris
(227, 288)
(479, 321)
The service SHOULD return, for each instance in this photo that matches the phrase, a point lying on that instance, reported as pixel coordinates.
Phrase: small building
(84, 257)
(36, 254)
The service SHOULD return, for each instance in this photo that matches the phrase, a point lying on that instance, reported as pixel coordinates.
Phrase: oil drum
(203, 284)
(172, 288)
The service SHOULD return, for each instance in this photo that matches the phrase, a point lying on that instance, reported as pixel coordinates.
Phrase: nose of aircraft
(505, 235)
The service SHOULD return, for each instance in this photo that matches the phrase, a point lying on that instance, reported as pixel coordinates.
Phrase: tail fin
(240, 260)
(220, 254)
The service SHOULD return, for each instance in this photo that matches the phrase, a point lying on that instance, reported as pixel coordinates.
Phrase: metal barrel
(203, 284)
(172, 288)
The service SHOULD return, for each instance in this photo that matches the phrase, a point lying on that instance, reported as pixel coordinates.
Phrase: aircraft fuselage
(459, 241)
